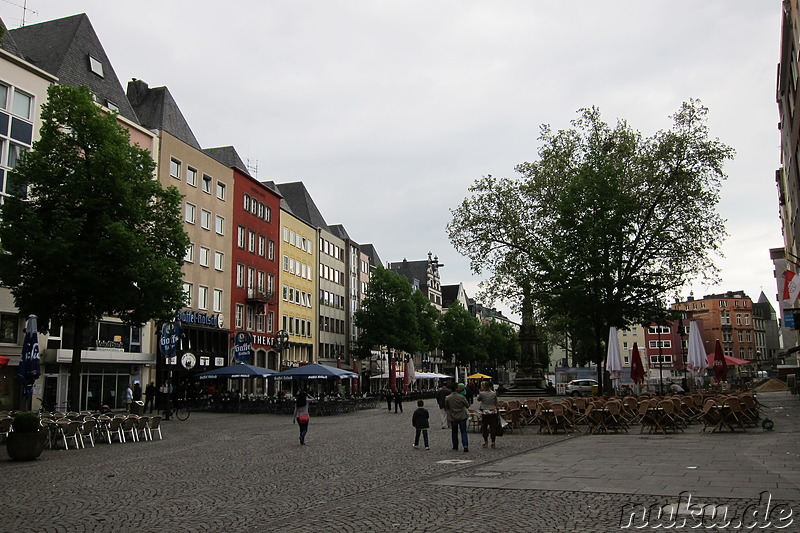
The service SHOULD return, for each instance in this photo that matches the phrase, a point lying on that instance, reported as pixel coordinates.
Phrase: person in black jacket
(441, 394)
(398, 400)
(420, 422)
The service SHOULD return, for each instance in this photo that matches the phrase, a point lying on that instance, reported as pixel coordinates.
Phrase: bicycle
(180, 410)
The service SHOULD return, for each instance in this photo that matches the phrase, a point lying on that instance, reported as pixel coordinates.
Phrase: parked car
(581, 387)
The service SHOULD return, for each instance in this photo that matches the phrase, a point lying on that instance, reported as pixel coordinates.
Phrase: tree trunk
(73, 393)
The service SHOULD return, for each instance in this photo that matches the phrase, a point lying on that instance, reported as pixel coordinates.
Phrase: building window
(9, 328)
(189, 257)
(219, 261)
(220, 225)
(202, 297)
(262, 241)
(191, 176)
(21, 105)
(175, 168)
(96, 66)
(217, 300)
(664, 344)
(239, 315)
(205, 219)
(267, 213)
(204, 253)
(271, 250)
(239, 275)
(191, 213)
(206, 183)
(187, 294)
(270, 321)
(251, 241)
(247, 202)
(240, 236)
(220, 190)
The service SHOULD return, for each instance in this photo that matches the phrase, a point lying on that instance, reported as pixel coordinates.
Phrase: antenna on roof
(24, 7)
(252, 167)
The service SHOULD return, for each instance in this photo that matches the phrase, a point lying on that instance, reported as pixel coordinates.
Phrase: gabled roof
(158, 110)
(450, 294)
(372, 254)
(7, 42)
(301, 203)
(412, 270)
(228, 156)
(63, 47)
(339, 231)
(284, 205)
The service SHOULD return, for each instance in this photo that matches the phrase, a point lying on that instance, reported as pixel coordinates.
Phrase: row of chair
(120, 428)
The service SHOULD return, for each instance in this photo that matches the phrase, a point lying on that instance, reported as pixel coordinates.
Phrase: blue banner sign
(243, 347)
(170, 336)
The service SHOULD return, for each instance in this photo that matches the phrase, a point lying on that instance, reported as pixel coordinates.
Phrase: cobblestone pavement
(358, 472)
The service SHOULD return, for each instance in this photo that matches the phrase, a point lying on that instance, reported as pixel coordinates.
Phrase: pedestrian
(301, 414)
(388, 393)
(488, 407)
(676, 389)
(137, 391)
(457, 414)
(420, 421)
(166, 398)
(149, 396)
(128, 398)
(441, 394)
(398, 400)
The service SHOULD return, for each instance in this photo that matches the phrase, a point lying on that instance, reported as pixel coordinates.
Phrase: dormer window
(96, 66)
(112, 106)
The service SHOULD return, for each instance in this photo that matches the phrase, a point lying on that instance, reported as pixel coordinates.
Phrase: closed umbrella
(29, 368)
(637, 368)
(720, 364)
(406, 377)
(697, 362)
(614, 357)
(392, 376)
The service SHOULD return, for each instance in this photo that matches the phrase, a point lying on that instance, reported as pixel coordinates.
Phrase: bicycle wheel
(182, 412)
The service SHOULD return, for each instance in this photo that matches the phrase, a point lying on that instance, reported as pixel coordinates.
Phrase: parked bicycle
(180, 410)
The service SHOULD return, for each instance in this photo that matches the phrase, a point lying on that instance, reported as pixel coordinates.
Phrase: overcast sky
(388, 111)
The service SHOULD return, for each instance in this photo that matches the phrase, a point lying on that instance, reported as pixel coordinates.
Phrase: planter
(26, 446)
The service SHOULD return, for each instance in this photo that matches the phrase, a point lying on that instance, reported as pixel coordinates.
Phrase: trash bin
(137, 407)
(595, 389)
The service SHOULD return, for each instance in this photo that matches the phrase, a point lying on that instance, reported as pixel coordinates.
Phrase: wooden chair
(474, 420)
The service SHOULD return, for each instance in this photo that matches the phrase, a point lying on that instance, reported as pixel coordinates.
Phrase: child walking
(420, 421)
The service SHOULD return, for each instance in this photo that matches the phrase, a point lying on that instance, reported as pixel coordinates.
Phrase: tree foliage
(388, 314)
(97, 234)
(499, 342)
(460, 335)
(603, 223)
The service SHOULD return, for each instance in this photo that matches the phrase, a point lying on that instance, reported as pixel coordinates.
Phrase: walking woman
(488, 406)
(301, 414)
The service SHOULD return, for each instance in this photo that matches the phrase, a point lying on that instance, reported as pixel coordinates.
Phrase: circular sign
(188, 360)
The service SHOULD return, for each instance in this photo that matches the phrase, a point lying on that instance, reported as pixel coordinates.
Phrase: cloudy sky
(388, 111)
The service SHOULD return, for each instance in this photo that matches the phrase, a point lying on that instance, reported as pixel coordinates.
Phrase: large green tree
(388, 315)
(499, 342)
(602, 224)
(96, 233)
(460, 335)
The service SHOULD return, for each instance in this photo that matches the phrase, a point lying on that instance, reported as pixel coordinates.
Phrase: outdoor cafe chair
(750, 408)
(70, 431)
(615, 416)
(114, 430)
(155, 427)
(87, 431)
(732, 414)
(544, 417)
(129, 428)
(143, 428)
(710, 415)
(474, 420)
(560, 420)
(669, 418)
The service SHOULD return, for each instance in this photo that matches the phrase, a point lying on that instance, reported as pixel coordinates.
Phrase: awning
(728, 359)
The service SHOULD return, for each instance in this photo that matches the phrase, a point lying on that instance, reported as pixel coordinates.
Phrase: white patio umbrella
(698, 361)
(614, 357)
